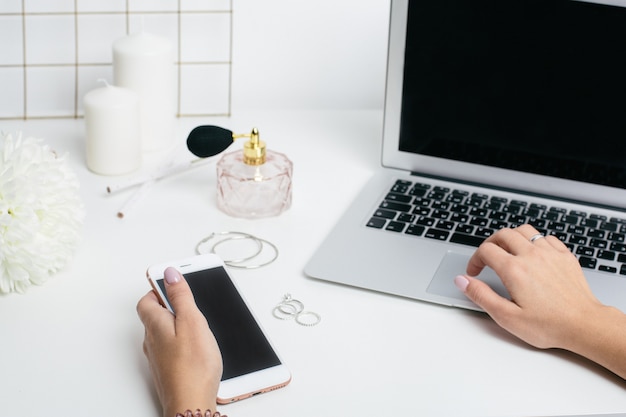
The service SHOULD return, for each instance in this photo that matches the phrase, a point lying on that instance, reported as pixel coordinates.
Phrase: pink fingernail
(171, 275)
(461, 282)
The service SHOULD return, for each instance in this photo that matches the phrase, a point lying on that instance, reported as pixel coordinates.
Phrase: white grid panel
(53, 52)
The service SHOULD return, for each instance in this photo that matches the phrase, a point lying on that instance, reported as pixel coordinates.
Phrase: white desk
(74, 345)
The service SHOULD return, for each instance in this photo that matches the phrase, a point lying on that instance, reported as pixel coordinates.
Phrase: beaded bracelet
(198, 413)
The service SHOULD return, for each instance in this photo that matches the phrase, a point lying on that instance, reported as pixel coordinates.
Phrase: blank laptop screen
(533, 85)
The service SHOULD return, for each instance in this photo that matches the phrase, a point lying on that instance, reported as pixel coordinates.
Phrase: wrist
(189, 407)
(600, 337)
(189, 396)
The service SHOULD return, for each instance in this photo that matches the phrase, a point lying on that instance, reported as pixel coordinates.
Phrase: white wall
(309, 54)
(286, 53)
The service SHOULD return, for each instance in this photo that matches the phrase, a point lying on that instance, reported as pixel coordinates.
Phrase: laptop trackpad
(453, 264)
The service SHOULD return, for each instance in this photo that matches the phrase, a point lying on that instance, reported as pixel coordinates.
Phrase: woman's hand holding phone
(184, 358)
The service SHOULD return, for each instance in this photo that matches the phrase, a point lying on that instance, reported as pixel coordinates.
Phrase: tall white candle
(144, 63)
(113, 143)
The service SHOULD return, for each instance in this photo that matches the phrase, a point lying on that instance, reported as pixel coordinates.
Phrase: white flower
(41, 213)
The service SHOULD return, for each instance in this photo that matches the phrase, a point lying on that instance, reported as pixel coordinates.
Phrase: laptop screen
(537, 86)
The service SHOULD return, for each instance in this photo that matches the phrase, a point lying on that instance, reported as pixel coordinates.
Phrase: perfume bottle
(255, 182)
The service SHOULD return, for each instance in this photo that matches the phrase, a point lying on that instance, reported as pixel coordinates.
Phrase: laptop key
(517, 219)
(459, 218)
(390, 205)
(401, 187)
(607, 268)
(591, 223)
(587, 262)
(415, 230)
(440, 214)
(445, 225)
(600, 234)
(425, 221)
(550, 215)
(611, 227)
(585, 251)
(483, 232)
(474, 202)
(618, 247)
(407, 218)
(497, 224)
(557, 226)
(376, 222)
(385, 214)
(465, 239)
(479, 221)
(478, 212)
(400, 198)
(598, 243)
(395, 226)
(464, 228)
(421, 211)
(577, 240)
(437, 234)
(606, 254)
(417, 192)
(498, 215)
(577, 230)
(569, 219)
(622, 270)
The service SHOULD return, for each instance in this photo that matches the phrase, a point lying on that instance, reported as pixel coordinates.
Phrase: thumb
(482, 295)
(178, 291)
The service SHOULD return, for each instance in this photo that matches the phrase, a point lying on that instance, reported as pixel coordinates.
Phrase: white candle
(144, 63)
(113, 143)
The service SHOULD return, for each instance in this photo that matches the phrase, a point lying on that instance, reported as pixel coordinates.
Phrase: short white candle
(144, 63)
(113, 142)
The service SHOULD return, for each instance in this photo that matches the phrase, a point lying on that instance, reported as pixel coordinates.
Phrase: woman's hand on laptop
(551, 304)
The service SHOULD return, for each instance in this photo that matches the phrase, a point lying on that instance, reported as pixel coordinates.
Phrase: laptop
(497, 113)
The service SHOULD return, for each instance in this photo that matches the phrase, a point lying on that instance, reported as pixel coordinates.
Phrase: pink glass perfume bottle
(254, 183)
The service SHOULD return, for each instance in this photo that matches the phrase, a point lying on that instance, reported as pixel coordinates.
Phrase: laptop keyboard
(460, 216)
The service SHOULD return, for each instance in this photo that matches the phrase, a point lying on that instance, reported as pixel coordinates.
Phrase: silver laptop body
(475, 90)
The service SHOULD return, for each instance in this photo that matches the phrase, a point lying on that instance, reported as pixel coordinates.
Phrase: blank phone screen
(242, 343)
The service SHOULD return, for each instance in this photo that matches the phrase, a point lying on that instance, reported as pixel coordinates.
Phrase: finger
(178, 292)
(486, 298)
(515, 240)
(531, 235)
(556, 243)
(147, 306)
(490, 254)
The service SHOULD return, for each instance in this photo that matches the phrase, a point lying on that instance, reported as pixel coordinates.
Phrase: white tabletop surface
(73, 346)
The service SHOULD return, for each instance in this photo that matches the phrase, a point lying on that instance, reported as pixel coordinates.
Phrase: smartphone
(251, 365)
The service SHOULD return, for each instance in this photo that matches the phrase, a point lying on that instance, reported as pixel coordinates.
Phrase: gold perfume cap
(254, 149)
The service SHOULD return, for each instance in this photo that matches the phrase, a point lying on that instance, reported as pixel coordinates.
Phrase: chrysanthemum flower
(41, 213)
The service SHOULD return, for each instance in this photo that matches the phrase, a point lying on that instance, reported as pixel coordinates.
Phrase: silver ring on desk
(280, 313)
(535, 237)
(316, 318)
(297, 305)
(288, 308)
